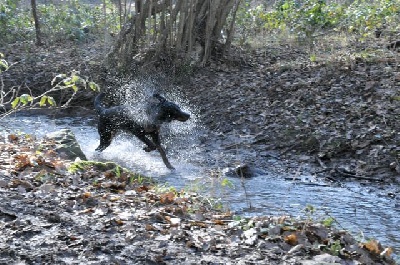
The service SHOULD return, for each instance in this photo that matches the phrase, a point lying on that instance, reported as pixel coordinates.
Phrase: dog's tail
(98, 105)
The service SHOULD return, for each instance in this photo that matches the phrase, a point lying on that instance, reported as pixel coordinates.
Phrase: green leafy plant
(335, 247)
(117, 171)
(322, 216)
(212, 190)
(313, 58)
(85, 165)
(29, 101)
(328, 222)
(365, 16)
(309, 210)
(3, 63)
(59, 83)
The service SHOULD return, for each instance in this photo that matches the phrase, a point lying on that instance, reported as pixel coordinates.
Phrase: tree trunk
(37, 25)
(231, 30)
(176, 28)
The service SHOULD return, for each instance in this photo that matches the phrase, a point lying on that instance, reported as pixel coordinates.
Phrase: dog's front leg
(156, 139)
(164, 157)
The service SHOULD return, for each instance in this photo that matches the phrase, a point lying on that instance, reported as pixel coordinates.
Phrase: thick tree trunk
(173, 28)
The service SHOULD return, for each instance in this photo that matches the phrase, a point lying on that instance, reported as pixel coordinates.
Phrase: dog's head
(169, 111)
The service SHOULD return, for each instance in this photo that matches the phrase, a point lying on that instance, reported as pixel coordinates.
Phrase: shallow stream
(367, 212)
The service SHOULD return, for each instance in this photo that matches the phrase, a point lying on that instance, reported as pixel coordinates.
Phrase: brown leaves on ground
(21, 153)
(105, 208)
(374, 247)
(339, 111)
(22, 161)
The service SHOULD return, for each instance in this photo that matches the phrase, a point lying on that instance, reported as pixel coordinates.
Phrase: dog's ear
(159, 97)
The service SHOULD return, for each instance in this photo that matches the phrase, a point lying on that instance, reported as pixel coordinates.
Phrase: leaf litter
(103, 213)
(335, 113)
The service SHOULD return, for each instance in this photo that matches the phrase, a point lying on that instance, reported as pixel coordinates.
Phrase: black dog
(119, 118)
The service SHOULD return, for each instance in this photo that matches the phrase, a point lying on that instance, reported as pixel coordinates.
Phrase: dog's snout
(184, 116)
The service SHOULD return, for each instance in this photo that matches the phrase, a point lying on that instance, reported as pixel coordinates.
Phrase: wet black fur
(115, 119)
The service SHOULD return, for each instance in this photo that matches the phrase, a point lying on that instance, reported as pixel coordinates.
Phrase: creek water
(366, 212)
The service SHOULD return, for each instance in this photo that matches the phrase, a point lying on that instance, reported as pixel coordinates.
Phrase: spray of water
(179, 138)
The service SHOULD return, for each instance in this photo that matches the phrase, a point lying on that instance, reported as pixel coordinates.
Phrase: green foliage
(309, 209)
(60, 82)
(88, 167)
(165, 188)
(24, 99)
(335, 247)
(365, 16)
(213, 190)
(3, 64)
(305, 18)
(227, 183)
(237, 218)
(95, 165)
(73, 20)
(319, 215)
(328, 222)
(68, 20)
(47, 99)
(313, 58)
(14, 24)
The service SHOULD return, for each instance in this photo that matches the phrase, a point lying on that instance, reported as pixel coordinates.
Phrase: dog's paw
(149, 149)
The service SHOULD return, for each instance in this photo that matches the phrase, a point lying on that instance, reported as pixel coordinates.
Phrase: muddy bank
(54, 211)
(337, 119)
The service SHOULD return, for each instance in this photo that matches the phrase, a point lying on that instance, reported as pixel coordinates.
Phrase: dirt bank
(54, 211)
(340, 116)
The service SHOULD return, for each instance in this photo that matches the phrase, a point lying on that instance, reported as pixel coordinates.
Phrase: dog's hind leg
(150, 146)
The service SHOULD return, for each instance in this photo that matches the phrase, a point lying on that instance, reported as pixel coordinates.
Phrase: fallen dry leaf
(167, 197)
(373, 246)
(13, 138)
(218, 222)
(143, 188)
(291, 239)
(22, 161)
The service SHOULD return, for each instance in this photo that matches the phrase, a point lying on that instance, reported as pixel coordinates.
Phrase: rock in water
(242, 171)
(66, 144)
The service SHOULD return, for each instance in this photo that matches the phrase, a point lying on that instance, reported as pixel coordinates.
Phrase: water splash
(179, 138)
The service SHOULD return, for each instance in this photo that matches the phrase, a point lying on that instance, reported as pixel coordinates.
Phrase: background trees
(188, 31)
(183, 29)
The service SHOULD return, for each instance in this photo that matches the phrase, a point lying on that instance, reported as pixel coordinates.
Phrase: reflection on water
(365, 214)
